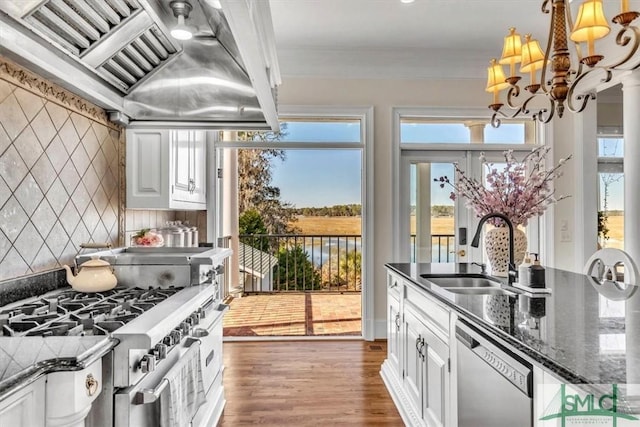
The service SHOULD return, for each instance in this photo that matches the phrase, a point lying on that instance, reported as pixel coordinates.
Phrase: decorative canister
(496, 245)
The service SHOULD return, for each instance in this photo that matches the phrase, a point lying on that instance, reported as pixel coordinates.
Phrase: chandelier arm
(545, 6)
(514, 92)
(623, 40)
(545, 115)
(584, 98)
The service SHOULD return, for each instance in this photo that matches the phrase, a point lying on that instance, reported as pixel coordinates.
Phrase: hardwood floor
(306, 383)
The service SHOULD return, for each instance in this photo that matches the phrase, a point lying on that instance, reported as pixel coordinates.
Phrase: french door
(434, 228)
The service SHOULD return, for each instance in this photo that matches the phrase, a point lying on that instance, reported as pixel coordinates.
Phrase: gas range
(71, 313)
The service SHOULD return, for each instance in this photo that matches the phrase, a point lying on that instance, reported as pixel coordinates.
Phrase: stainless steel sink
(462, 280)
(480, 291)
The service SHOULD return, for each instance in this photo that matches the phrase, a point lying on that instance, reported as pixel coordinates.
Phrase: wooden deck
(295, 314)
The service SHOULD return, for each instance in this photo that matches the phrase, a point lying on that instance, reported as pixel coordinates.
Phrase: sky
(316, 178)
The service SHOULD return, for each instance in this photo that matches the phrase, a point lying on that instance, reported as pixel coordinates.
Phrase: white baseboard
(394, 386)
(380, 329)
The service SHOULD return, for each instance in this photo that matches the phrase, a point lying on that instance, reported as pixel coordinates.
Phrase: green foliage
(347, 273)
(295, 271)
(251, 223)
(337, 210)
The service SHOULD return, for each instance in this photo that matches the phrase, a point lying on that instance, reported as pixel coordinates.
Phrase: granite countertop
(581, 332)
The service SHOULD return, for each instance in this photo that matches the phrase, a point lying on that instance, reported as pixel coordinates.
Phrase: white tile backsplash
(60, 180)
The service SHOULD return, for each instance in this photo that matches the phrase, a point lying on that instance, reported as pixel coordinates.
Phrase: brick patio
(294, 314)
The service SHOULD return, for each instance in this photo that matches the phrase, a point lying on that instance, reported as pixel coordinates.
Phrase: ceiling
(390, 39)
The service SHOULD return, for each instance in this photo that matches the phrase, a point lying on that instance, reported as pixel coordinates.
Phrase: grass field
(320, 225)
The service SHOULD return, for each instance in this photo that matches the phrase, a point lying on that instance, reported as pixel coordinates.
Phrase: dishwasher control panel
(518, 378)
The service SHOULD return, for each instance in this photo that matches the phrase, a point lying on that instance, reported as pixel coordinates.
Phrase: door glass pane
(432, 216)
(611, 210)
(416, 130)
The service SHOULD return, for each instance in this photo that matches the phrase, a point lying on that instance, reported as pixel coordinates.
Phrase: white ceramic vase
(496, 246)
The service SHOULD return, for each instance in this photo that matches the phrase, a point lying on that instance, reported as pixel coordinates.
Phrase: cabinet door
(436, 380)
(25, 407)
(199, 167)
(413, 365)
(182, 155)
(147, 168)
(394, 325)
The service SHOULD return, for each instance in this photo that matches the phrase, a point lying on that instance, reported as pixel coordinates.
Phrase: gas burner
(77, 313)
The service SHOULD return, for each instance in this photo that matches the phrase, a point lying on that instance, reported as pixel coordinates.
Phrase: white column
(423, 212)
(631, 126)
(476, 131)
(230, 205)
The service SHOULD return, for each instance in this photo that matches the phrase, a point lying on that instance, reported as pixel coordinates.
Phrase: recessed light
(407, 1)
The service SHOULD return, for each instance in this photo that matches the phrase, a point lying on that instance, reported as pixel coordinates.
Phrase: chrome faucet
(512, 271)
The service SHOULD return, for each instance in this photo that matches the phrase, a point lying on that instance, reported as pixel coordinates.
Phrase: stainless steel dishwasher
(495, 386)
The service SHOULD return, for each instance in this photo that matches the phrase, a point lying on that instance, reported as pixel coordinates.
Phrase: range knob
(160, 351)
(185, 328)
(168, 340)
(195, 318)
(176, 336)
(147, 363)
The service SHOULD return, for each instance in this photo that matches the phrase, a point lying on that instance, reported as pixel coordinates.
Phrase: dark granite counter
(581, 332)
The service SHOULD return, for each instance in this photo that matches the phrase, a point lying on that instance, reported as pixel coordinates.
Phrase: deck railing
(292, 262)
(442, 248)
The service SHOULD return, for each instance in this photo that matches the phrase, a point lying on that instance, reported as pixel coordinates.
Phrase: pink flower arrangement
(145, 237)
(520, 191)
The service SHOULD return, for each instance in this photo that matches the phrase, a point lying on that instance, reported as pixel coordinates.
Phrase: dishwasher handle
(516, 372)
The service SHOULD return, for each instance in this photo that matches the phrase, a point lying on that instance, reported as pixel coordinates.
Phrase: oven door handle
(150, 395)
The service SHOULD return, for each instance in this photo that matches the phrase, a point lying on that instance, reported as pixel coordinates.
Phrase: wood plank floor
(306, 383)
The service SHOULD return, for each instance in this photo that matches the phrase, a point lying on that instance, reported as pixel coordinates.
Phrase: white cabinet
(166, 169)
(24, 407)
(417, 369)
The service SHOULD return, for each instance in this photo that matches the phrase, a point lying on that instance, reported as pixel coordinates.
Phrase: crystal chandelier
(560, 80)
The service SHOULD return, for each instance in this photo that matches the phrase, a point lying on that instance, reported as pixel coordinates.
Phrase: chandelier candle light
(560, 90)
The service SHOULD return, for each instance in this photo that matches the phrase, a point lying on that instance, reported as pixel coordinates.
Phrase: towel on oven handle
(185, 392)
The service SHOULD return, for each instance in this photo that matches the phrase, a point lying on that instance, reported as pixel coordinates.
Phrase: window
(420, 130)
(610, 191)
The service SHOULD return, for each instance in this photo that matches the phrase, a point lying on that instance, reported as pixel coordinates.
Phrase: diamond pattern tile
(11, 116)
(90, 217)
(69, 218)
(28, 146)
(91, 180)
(43, 218)
(69, 177)
(45, 260)
(57, 154)
(5, 141)
(58, 114)
(44, 128)
(12, 168)
(13, 265)
(12, 219)
(5, 245)
(58, 183)
(29, 194)
(5, 192)
(5, 90)
(28, 243)
(69, 136)
(57, 196)
(81, 123)
(44, 173)
(57, 239)
(91, 144)
(30, 103)
(81, 197)
(80, 159)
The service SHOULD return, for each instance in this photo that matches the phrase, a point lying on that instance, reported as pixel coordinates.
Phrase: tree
(347, 273)
(251, 223)
(255, 191)
(295, 271)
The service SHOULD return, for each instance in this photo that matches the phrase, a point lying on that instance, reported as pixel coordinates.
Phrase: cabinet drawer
(435, 313)
(394, 286)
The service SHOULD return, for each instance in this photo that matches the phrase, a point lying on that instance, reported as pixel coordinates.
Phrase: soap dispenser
(523, 270)
(536, 274)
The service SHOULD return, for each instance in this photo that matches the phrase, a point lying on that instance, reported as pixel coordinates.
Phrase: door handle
(461, 252)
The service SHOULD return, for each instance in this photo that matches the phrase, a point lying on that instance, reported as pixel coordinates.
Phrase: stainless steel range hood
(120, 55)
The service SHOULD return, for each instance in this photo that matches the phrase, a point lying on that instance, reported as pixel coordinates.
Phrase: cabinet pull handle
(420, 347)
(393, 285)
(417, 343)
(398, 322)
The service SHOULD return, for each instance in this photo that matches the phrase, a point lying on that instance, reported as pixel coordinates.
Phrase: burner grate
(76, 313)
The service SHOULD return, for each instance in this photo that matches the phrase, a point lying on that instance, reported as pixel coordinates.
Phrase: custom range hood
(120, 55)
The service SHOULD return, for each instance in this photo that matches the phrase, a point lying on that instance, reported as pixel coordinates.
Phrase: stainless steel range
(169, 338)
